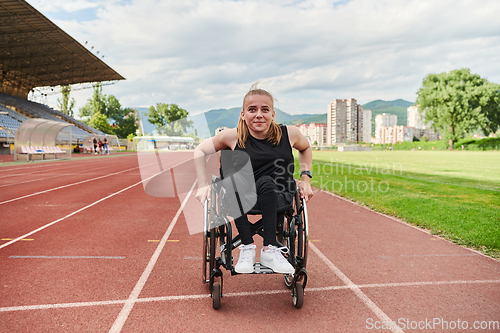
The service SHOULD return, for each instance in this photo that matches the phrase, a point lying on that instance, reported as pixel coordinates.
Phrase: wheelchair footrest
(260, 269)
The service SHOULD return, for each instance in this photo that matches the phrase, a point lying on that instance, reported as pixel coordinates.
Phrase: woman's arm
(299, 142)
(224, 139)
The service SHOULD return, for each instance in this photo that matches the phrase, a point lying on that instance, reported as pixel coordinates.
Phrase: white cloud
(205, 54)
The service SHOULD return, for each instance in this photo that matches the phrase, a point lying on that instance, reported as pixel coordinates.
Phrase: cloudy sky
(205, 54)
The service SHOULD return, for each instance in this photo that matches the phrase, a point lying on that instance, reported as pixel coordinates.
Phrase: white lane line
(58, 175)
(64, 186)
(425, 283)
(69, 215)
(79, 210)
(64, 257)
(47, 166)
(30, 173)
(405, 223)
(52, 169)
(368, 302)
(440, 255)
(28, 167)
(59, 306)
(134, 296)
(35, 180)
(240, 294)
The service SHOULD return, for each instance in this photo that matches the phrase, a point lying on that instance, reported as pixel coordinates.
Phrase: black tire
(229, 246)
(299, 240)
(213, 247)
(301, 234)
(298, 295)
(206, 243)
(212, 234)
(216, 295)
(292, 239)
(206, 258)
(289, 239)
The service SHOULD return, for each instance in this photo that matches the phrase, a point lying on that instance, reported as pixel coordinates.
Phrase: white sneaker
(246, 259)
(273, 258)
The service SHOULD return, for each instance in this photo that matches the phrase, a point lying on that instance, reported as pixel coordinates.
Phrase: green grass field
(453, 194)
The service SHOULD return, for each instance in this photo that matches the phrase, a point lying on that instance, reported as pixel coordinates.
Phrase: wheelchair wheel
(301, 228)
(225, 244)
(209, 243)
(296, 236)
(216, 295)
(289, 242)
(212, 251)
(298, 295)
(206, 243)
(209, 239)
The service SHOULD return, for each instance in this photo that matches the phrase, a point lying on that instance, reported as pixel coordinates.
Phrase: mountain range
(229, 117)
(397, 107)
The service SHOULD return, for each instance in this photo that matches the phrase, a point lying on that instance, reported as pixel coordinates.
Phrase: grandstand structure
(34, 52)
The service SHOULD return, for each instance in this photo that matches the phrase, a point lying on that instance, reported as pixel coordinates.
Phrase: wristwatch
(306, 172)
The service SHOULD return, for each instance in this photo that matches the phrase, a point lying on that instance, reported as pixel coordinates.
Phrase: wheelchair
(218, 242)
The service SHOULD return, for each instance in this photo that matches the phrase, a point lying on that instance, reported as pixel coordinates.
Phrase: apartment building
(344, 122)
(367, 126)
(415, 119)
(315, 133)
(388, 132)
(422, 128)
(430, 133)
(384, 120)
(393, 134)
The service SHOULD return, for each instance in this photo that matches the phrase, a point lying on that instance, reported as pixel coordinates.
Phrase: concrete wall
(354, 148)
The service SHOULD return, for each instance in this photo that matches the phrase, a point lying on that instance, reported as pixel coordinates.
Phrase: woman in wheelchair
(269, 147)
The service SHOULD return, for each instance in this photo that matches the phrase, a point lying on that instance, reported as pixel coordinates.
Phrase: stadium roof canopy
(34, 52)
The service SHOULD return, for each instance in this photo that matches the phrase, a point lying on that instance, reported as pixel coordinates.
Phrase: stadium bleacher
(27, 109)
(8, 126)
(37, 53)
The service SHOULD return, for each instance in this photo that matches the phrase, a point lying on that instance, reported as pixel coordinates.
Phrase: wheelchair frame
(218, 243)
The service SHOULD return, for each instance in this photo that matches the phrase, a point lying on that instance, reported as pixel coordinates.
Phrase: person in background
(105, 146)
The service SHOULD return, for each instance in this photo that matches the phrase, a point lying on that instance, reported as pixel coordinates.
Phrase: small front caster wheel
(298, 295)
(216, 295)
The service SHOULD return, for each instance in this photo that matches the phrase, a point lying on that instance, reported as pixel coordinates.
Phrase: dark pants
(267, 200)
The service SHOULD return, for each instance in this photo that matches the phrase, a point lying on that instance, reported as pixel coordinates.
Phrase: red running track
(84, 249)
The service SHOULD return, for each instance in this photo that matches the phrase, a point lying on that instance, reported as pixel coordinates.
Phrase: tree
(102, 110)
(126, 123)
(459, 102)
(113, 109)
(100, 122)
(109, 107)
(95, 104)
(169, 119)
(65, 105)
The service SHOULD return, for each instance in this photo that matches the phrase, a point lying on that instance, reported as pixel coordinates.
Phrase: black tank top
(266, 158)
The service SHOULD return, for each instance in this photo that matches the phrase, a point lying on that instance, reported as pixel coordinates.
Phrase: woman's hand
(305, 190)
(203, 193)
